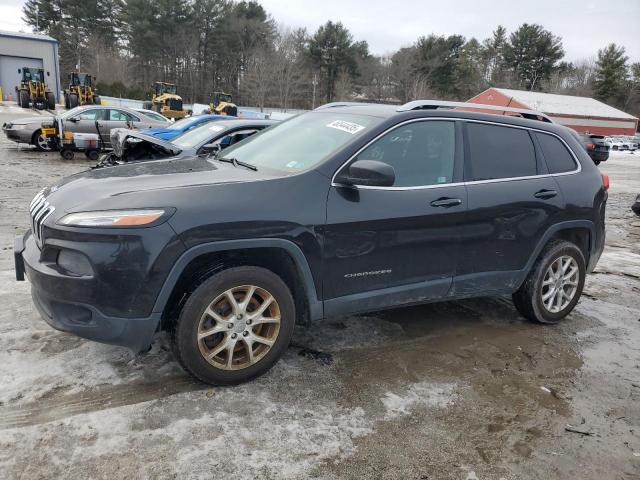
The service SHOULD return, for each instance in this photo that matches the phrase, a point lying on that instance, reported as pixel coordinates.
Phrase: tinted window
(499, 152)
(421, 153)
(556, 155)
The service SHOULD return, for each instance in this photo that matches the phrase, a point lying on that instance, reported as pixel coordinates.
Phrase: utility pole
(314, 82)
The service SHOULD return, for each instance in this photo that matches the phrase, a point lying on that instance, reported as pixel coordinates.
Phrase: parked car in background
(338, 211)
(137, 146)
(632, 142)
(81, 120)
(596, 147)
(184, 125)
(154, 115)
(614, 143)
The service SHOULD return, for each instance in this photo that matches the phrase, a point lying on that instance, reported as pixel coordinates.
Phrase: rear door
(512, 201)
(395, 245)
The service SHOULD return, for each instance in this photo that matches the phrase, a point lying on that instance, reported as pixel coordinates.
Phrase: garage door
(9, 76)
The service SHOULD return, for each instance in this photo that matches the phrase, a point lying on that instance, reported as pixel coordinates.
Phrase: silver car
(81, 119)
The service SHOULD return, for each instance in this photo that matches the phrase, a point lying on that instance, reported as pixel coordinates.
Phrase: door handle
(446, 202)
(545, 194)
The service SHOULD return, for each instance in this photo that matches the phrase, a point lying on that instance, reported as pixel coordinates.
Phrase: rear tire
(92, 154)
(549, 293)
(66, 101)
(240, 331)
(73, 100)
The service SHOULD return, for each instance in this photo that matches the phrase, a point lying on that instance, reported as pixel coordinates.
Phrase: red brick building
(580, 113)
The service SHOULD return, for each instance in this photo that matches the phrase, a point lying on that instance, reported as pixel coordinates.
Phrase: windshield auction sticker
(348, 127)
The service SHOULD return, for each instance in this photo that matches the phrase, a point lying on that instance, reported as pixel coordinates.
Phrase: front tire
(73, 100)
(234, 326)
(554, 284)
(51, 101)
(41, 142)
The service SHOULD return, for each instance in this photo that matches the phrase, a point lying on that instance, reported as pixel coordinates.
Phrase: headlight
(113, 218)
(16, 127)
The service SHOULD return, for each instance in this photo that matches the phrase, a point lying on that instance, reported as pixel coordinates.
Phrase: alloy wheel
(560, 284)
(239, 327)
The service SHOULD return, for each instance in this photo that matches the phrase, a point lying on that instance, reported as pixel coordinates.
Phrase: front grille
(39, 210)
(175, 104)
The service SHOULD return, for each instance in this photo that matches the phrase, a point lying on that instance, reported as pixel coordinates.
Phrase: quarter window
(556, 155)
(119, 116)
(499, 152)
(421, 153)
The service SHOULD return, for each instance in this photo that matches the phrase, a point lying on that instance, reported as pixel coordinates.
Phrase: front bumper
(61, 301)
(21, 136)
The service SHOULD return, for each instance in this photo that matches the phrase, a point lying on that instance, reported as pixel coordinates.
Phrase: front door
(397, 245)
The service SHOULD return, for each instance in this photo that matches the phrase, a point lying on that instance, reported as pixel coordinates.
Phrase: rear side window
(499, 152)
(558, 158)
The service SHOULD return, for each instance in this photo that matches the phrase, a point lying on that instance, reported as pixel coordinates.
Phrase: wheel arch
(281, 256)
(580, 232)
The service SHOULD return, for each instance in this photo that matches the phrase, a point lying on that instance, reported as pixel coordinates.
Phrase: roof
(551, 103)
(28, 36)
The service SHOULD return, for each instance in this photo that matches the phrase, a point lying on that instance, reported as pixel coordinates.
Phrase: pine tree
(611, 75)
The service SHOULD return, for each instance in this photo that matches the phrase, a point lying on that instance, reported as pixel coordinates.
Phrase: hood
(133, 185)
(29, 120)
(124, 140)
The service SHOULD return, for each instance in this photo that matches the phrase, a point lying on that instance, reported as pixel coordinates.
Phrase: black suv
(595, 146)
(345, 209)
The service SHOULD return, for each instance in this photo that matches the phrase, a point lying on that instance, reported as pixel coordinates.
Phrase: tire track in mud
(99, 398)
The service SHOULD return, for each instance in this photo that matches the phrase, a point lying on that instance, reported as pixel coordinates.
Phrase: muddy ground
(458, 390)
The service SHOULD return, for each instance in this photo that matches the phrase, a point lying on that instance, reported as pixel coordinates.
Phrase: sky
(584, 25)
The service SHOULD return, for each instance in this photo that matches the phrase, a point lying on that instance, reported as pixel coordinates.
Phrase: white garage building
(19, 50)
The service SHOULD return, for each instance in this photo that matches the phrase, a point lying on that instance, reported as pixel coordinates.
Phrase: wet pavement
(457, 390)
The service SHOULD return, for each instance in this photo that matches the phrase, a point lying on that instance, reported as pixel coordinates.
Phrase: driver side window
(94, 114)
(421, 153)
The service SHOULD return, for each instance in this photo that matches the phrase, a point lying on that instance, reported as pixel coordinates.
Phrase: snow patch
(422, 394)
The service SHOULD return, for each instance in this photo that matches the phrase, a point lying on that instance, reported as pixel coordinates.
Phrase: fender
(551, 231)
(315, 305)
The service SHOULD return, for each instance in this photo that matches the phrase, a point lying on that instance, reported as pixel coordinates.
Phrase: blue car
(182, 126)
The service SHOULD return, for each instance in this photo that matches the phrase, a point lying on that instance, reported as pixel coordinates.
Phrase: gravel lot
(458, 390)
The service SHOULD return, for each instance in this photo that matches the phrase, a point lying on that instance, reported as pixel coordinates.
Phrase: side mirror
(369, 173)
(74, 119)
(210, 148)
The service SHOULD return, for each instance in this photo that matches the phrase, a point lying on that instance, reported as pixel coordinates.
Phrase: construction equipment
(223, 105)
(81, 91)
(166, 101)
(33, 90)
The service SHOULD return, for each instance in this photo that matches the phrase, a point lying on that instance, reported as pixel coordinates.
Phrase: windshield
(184, 123)
(197, 135)
(302, 142)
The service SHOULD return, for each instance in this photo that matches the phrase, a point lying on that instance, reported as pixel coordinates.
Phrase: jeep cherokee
(345, 209)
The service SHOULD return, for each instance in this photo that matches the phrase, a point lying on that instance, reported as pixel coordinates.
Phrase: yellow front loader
(223, 105)
(33, 90)
(166, 101)
(81, 91)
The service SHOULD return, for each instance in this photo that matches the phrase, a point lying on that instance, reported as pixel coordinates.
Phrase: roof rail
(437, 104)
(342, 104)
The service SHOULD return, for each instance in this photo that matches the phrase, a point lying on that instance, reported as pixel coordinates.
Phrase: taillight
(605, 181)
(591, 146)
